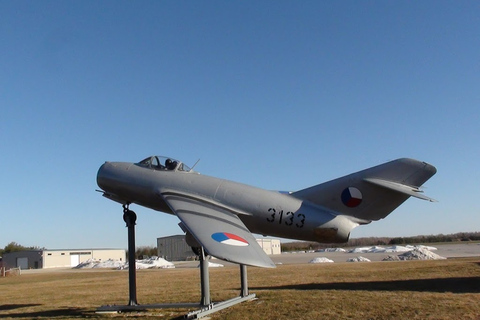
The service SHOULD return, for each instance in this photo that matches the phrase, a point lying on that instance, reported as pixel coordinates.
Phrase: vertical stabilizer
(373, 193)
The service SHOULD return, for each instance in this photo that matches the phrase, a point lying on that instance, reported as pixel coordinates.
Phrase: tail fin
(374, 193)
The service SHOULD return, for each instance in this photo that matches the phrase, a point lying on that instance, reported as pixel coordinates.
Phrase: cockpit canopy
(164, 163)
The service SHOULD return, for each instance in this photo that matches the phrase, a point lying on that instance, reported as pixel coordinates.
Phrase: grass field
(444, 289)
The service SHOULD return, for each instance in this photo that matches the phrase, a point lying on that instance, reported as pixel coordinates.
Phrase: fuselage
(262, 211)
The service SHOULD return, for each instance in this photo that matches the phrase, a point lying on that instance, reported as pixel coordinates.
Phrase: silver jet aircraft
(221, 215)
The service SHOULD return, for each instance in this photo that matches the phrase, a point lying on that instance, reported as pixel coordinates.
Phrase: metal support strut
(206, 306)
(130, 218)
(204, 279)
(244, 280)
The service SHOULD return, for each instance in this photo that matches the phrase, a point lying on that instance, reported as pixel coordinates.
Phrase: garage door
(22, 263)
(74, 260)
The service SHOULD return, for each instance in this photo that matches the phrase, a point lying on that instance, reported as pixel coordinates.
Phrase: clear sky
(277, 94)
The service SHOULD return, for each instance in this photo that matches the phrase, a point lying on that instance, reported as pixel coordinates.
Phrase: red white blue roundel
(351, 197)
(230, 239)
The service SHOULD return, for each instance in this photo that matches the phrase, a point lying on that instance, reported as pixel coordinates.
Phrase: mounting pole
(204, 279)
(244, 280)
(130, 218)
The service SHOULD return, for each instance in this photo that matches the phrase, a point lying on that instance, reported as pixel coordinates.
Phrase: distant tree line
(379, 241)
(145, 251)
(462, 236)
(14, 247)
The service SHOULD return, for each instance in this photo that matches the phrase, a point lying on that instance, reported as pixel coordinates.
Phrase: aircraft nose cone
(101, 175)
(112, 175)
(108, 175)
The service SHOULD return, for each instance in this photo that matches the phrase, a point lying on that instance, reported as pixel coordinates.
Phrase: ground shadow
(454, 285)
(49, 314)
(16, 306)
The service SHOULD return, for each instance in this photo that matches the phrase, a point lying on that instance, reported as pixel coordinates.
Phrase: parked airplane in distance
(221, 215)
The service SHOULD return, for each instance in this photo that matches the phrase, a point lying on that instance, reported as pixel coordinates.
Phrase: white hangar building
(58, 258)
(270, 246)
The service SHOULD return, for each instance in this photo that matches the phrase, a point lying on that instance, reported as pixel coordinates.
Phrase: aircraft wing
(221, 233)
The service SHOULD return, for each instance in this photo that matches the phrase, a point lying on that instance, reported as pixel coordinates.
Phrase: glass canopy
(164, 163)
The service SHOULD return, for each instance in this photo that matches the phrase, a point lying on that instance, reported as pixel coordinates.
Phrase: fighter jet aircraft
(221, 215)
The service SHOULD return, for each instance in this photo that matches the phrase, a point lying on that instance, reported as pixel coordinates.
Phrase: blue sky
(277, 94)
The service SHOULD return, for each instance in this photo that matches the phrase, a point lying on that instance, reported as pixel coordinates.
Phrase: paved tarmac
(444, 250)
(457, 250)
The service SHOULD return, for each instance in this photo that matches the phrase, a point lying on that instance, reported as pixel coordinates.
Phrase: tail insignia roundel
(351, 197)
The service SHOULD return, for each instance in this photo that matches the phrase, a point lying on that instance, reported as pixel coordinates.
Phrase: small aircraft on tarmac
(220, 215)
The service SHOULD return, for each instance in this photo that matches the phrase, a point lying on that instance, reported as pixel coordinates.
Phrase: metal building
(61, 258)
(174, 248)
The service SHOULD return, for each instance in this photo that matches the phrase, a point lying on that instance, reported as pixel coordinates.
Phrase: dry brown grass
(446, 289)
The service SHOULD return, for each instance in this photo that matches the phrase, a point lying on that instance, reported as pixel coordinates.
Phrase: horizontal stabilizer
(402, 188)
